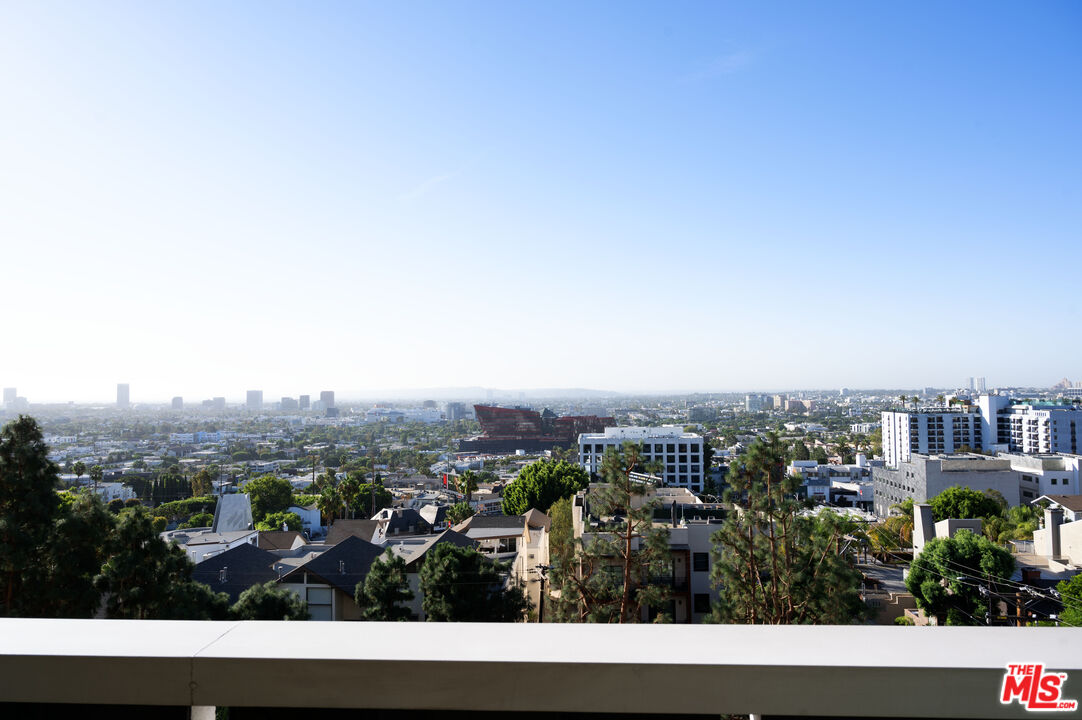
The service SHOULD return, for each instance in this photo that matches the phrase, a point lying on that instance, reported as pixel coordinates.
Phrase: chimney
(673, 509)
(1053, 518)
(923, 526)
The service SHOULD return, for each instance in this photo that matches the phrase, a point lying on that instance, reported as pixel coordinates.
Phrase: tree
(146, 578)
(72, 558)
(458, 513)
(467, 483)
(275, 521)
(459, 584)
(269, 494)
(202, 483)
(963, 503)
(28, 507)
(1071, 593)
(96, 473)
(819, 455)
(268, 602)
(381, 591)
(800, 451)
(542, 483)
(947, 577)
(79, 468)
(773, 565)
(624, 564)
(330, 503)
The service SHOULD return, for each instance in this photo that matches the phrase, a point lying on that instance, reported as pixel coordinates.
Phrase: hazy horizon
(203, 198)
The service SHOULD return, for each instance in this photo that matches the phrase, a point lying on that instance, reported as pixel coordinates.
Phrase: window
(702, 602)
(1053, 481)
(319, 603)
(507, 545)
(700, 562)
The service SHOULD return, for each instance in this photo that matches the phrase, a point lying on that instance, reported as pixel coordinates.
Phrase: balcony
(569, 669)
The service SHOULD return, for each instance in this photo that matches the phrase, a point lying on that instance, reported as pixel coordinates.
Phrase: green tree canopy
(383, 590)
(274, 521)
(28, 508)
(1071, 593)
(542, 483)
(962, 503)
(268, 601)
(459, 584)
(773, 565)
(459, 512)
(269, 494)
(946, 578)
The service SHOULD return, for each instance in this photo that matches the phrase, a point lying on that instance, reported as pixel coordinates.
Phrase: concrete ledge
(855, 671)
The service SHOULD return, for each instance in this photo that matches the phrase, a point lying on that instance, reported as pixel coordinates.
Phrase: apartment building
(995, 423)
(679, 454)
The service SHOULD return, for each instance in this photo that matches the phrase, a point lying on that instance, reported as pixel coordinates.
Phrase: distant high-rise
(454, 411)
(218, 403)
(178, 403)
(255, 400)
(305, 402)
(288, 403)
(9, 395)
(327, 398)
(123, 396)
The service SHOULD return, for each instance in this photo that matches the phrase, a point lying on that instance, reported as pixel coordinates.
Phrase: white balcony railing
(826, 671)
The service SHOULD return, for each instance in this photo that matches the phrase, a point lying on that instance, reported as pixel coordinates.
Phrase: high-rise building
(255, 400)
(288, 404)
(305, 402)
(178, 403)
(327, 399)
(454, 411)
(9, 395)
(753, 403)
(929, 432)
(218, 403)
(123, 396)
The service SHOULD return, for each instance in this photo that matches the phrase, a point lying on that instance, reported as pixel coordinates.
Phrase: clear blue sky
(201, 197)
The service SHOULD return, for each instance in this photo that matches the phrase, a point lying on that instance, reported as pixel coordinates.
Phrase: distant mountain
(478, 394)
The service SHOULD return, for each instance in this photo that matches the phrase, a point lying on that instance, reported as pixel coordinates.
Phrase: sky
(200, 198)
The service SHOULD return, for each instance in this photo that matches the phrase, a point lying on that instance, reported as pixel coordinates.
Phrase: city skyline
(200, 199)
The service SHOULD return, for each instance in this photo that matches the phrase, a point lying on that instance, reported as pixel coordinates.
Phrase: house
(392, 522)
(235, 570)
(311, 520)
(280, 540)
(201, 544)
(414, 551)
(520, 540)
(1071, 505)
(328, 581)
(344, 528)
(436, 516)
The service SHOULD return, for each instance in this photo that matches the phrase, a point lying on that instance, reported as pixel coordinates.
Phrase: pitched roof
(342, 529)
(244, 565)
(279, 539)
(496, 521)
(343, 566)
(536, 518)
(414, 549)
(1070, 502)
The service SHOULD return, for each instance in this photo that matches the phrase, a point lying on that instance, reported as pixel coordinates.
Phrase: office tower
(255, 400)
(678, 454)
(218, 403)
(178, 403)
(9, 395)
(305, 402)
(454, 411)
(288, 403)
(123, 397)
(327, 399)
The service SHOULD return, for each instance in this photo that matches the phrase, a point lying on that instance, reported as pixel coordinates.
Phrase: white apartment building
(680, 454)
(934, 431)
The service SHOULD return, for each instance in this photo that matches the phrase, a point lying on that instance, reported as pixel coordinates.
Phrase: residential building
(922, 477)
(1030, 427)
(929, 431)
(327, 582)
(254, 400)
(1071, 505)
(679, 454)
(755, 403)
(1045, 474)
(123, 396)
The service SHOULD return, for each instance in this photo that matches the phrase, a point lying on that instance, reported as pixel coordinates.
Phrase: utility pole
(541, 570)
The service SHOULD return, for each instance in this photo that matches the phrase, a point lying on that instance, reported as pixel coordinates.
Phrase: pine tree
(28, 508)
(268, 602)
(385, 586)
(461, 585)
(614, 574)
(773, 565)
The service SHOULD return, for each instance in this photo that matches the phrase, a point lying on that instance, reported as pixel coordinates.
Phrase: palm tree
(940, 398)
(78, 468)
(329, 503)
(467, 482)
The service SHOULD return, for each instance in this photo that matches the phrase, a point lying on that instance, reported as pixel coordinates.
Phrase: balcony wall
(824, 671)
